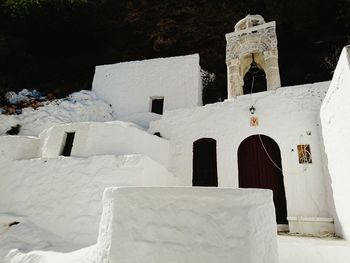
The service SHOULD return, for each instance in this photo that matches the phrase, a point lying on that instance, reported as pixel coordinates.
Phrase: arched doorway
(204, 163)
(254, 79)
(259, 164)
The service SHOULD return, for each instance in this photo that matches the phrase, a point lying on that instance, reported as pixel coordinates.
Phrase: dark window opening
(157, 134)
(254, 80)
(204, 163)
(68, 145)
(157, 105)
(255, 23)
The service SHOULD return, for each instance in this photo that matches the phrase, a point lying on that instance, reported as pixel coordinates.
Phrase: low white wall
(128, 86)
(187, 225)
(336, 135)
(18, 147)
(287, 115)
(105, 138)
(63, 195)
(312, 250)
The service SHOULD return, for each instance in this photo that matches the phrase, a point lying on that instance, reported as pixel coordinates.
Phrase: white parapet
(315, 226)
(187, 225)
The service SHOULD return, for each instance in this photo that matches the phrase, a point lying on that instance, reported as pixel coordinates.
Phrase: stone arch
(260, 166)
(252, 36)
(250, 44)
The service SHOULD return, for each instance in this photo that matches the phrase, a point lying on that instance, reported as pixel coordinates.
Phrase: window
(157, 104)
(157, 134)
(68, 144)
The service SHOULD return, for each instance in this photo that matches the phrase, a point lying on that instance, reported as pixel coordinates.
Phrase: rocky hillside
(53, 45)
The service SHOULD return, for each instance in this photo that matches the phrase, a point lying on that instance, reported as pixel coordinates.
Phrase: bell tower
(252, 57)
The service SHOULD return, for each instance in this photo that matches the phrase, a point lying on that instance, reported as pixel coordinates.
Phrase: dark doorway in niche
(204, 163)
(68, 144)
(257, 170)
(254, 80)
(157, 105)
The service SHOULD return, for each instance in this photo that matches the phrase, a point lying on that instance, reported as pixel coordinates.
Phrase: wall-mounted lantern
(252, 109)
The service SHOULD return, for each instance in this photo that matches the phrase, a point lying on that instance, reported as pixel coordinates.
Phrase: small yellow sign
(304, 153)
(254, 121)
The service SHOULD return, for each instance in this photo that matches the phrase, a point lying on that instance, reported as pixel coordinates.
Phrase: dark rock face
(53, 46)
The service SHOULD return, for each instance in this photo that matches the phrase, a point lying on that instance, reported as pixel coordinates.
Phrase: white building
(269, 138)
(262, 136)
(140, 91)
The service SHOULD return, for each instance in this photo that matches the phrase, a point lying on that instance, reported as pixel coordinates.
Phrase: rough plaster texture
(336, 136)
(187, 225)
(293, 249)
(63, 195)
(252, 36)
(77, 107)
(19, 147)
(115, 138)
(287, 115)
(129, 86)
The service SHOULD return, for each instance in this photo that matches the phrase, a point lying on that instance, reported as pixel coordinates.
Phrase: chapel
(291, 140)
(262, 136)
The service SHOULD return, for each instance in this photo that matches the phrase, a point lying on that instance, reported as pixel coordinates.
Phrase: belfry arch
(252, 37)
(254, 78)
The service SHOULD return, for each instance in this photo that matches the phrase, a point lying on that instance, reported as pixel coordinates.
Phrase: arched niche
(204, 163)
(254, 75)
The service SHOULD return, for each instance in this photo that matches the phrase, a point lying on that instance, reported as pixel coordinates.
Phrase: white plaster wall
(63, 195)
(18, 147)
(128, 86)
(336, 136)
(285, 115)
(105, 138)
(294, 249)
(187, 225)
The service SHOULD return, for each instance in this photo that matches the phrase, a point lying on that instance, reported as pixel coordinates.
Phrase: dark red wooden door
(204, 163)
(260, 168)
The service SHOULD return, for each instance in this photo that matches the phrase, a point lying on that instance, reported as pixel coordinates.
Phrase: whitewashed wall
(336, 134)
(63, 195)
(19, 147)
(105, 138)
(285, 115)
(186, 224)
(128, 86)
